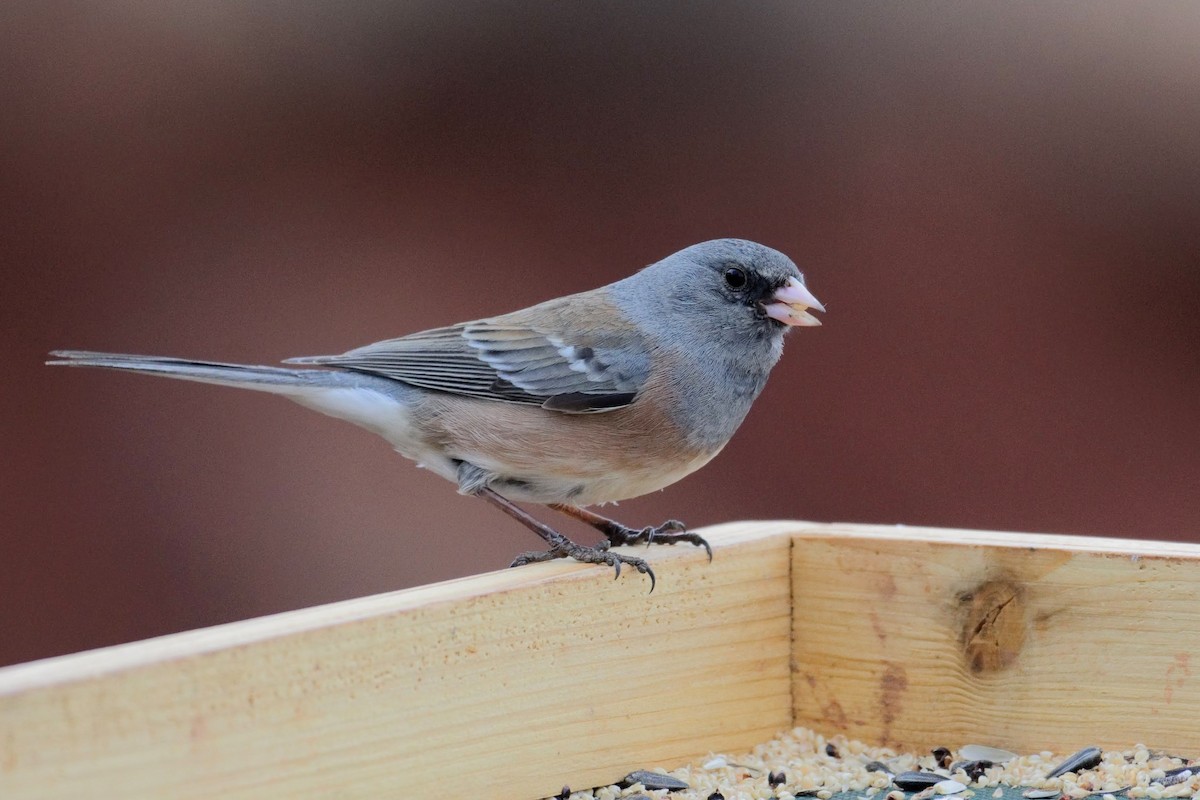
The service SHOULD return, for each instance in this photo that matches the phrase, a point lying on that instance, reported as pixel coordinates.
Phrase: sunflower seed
(914, 781)
(942, 756)
(1175, 776)
(981, 752)
(1086, 758)
(653, 780)
(879, 766)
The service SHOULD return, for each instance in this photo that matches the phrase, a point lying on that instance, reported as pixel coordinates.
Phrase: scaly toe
(641, 566)
(536, 557)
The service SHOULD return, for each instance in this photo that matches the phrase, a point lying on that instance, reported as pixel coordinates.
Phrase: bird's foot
(670, 532)
(600, 554)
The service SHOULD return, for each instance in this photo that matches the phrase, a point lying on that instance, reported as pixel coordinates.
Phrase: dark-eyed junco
(590, 398)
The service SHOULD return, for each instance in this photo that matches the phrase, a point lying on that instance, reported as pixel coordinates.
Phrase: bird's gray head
(729, 298)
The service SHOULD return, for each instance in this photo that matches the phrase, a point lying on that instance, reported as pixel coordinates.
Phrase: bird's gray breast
(714, 396)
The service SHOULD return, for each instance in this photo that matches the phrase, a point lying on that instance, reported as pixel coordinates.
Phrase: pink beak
(790, 305)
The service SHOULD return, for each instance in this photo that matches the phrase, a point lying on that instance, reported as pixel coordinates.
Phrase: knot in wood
(994, 628)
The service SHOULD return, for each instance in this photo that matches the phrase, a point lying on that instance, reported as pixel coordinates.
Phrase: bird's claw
(670, 532)
(600, 554)
(649, 533)
(637, 563)
(537, 556)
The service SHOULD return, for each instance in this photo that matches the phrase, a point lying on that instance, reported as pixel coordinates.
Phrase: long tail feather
(375, 403)
(267, 379)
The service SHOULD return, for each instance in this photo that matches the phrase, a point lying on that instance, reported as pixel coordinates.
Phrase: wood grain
(918, 637)
(512, 684)
(506, 685)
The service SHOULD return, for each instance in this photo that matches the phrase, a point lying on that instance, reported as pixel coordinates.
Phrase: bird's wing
(510, 360)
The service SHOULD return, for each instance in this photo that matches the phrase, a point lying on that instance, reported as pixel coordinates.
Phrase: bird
(583, 400)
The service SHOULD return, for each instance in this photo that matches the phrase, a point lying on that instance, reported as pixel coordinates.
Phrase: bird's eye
(735, 278)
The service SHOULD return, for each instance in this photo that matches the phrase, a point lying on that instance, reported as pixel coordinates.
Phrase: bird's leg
(670, 532)
(561, 546)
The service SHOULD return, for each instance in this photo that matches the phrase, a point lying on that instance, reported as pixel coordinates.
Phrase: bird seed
(802, 763)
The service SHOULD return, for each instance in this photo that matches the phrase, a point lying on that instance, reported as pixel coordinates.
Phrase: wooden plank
(505, 685)
(917, 637)
(511, 684)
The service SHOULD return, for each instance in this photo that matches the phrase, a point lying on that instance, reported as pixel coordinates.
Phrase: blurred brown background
(998, 203)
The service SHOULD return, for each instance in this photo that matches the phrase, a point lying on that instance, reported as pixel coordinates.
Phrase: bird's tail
(266, 379)
(373, 402)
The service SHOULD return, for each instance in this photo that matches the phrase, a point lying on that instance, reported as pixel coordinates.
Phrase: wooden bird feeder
(514, 683)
